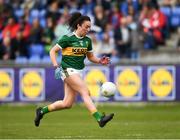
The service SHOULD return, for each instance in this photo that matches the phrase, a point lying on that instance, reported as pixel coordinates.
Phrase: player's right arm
(52, 53)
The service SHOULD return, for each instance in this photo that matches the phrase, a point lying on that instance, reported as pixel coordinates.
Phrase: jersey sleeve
(63, 41)
(89, 49)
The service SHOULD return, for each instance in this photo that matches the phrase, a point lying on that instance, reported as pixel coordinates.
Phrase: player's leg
(78, 85)
(67, 102)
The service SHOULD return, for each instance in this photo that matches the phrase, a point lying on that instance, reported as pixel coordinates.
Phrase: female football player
(75, 47)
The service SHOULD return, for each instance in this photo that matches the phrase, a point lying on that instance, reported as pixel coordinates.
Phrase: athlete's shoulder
(66, 37)
(70, 34)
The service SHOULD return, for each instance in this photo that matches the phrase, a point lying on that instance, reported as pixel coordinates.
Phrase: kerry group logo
(161, 83)
(94, 78)
(128, 80)
(6, 85)
(32, 84)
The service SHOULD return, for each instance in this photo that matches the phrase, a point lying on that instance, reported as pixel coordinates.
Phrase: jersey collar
(77, 35)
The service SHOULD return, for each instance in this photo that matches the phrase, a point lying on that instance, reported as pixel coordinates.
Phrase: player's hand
(58, 73)
(104, 60)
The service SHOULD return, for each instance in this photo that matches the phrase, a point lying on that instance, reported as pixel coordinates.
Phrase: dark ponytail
(75, 19)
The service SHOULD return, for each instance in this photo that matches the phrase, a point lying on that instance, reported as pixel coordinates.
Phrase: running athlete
(75, 47)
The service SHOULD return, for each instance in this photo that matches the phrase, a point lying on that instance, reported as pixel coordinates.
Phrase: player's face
(84, 28)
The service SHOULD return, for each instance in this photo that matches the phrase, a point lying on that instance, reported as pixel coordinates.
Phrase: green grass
(133, 121)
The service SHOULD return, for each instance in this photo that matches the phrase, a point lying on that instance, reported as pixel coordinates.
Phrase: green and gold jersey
(74, 50)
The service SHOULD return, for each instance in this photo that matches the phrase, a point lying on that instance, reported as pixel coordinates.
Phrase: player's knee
(85, 92)
(89, 93)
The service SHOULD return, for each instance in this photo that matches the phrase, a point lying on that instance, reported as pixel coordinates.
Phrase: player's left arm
(103, 60)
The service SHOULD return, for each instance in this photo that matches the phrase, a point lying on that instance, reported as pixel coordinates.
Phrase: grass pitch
(131, 121)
